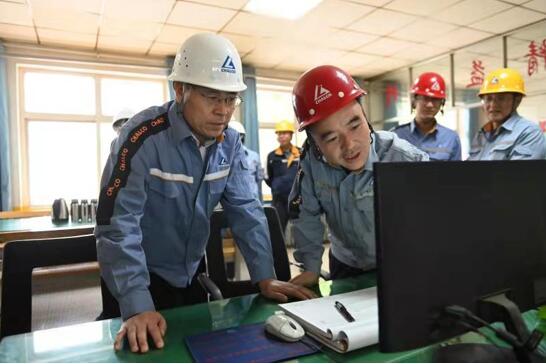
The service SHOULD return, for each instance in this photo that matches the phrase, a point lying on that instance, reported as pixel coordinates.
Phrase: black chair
(217, 283)
(20, 258)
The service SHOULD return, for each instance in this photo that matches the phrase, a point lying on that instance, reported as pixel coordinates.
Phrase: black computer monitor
(452, 233)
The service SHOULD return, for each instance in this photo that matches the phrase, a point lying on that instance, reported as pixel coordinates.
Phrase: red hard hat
(322, 91)
(430, 84)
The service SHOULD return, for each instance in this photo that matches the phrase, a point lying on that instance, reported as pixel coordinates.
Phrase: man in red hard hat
(428, 96)
(336, 174)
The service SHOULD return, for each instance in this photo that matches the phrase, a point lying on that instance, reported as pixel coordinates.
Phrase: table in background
(40, 227)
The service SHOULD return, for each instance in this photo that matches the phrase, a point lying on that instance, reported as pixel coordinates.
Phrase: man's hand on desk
(137, 328)
(307, 279)
(281, 291)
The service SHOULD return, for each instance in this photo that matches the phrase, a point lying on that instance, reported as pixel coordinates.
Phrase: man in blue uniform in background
(168, 169)
(428, 96)
(282, 165)
(253, 160)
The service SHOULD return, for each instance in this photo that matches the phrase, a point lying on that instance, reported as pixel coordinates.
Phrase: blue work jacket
(158, 192)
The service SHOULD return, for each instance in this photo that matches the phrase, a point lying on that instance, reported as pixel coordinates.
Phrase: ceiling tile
(346, 40)
(507, 20)
(243, 43)
(164, 49)
(376, 67)
(517, 2)
(80, 6)
(419, 52)
(200, 16)
(372, 2)
(257, 25)
(539, 5)
(304, 59)
(12, 13)
(59, 37)
(271, 52)
(231, 4)
(529, 33)
(458, 38)
(17, 32)
(367, 71)
(146, 10)
(345, 13)
(382, 22)
(385, 46)
(130, 28)
(470, 11)
(66, 20)
(422, 29)
(419, 7)
(390, 63)
(123, 44)
(174, 34)
(354, 59)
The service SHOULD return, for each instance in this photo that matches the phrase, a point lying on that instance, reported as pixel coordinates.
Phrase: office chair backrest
(215, 256)
(20, 258)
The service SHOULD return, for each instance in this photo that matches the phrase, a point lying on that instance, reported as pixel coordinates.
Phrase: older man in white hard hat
(168, 169)
(252, 158)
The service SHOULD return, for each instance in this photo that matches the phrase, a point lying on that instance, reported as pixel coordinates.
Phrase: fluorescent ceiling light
(286, 9)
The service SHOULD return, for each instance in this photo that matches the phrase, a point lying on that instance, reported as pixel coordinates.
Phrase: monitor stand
(524, 343)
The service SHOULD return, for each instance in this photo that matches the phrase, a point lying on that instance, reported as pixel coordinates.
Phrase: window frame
(98, 119)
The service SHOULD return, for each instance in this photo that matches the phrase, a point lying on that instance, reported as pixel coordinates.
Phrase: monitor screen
(452, 233)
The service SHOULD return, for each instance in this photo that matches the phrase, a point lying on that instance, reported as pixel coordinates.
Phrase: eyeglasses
(500, 98)
(427, 99)
(214, 99)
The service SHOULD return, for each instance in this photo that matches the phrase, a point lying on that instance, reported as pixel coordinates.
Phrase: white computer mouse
(284, 327)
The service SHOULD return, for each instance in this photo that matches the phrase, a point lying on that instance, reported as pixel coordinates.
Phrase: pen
(343, 311)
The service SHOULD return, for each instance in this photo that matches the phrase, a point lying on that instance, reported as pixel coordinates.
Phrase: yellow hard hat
(284, 125)
(503, 80)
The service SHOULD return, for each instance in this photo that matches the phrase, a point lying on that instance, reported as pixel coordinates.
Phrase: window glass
(526, 49)
(137, 95)
(68, 137)
(472, 64)
(62, 159)
(274, 106)
(59, 93)
(388, 98)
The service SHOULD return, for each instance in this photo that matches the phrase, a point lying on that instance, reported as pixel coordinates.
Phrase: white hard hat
(209, 60)
(121, 117)
(237, 126)
(125, 113)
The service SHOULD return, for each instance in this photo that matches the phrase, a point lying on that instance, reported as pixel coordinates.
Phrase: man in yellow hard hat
(506, 135)
(282, 165)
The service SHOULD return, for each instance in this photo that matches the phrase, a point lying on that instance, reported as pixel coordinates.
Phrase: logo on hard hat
(321, 94)
(435, 86)
(494, 80)
(228, 65)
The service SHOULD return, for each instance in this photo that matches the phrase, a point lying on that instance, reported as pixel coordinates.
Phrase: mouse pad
(247, 343)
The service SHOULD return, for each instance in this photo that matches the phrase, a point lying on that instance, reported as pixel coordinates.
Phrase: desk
(40, 227)
(93, 342)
